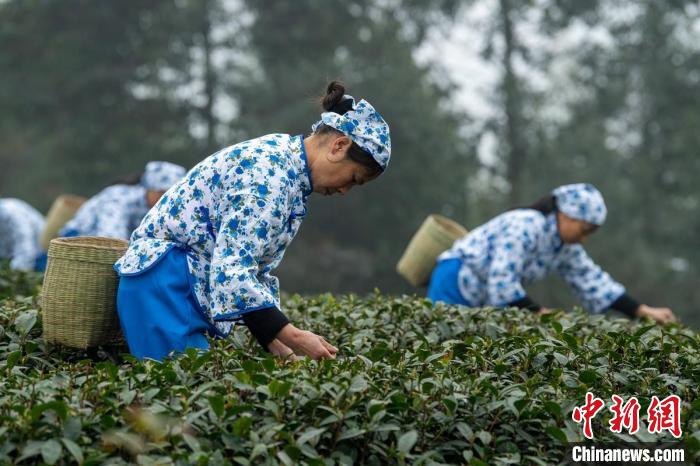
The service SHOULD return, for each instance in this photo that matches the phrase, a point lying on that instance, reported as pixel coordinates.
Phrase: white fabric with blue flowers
(160, 176)
(235, 213)
(20, 231)
(581, 201)
(519, 247)
(365, 126)
(114, 212)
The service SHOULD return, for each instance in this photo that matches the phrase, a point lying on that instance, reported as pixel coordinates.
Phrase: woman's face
(333, 171)
(573, 231)
(152, 197)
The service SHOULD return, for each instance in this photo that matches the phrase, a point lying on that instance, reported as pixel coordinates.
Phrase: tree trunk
(511, 97)
(209, 79)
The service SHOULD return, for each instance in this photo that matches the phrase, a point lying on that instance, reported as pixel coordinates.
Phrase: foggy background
(491, 103)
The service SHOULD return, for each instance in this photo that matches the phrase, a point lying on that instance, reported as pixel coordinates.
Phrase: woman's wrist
(265, 324)
(288, 335)
(279, 349)
(641, 310)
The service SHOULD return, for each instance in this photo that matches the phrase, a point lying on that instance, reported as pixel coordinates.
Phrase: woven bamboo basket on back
(435, 236)
(80, 292)
(63, 209)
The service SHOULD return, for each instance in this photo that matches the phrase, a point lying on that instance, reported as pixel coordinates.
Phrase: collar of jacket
(552, 231)
(301, 164)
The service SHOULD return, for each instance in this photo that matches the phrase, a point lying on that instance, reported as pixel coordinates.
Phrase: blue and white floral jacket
(114, 212)
(235, 213)
(519, 247)
(20, 233)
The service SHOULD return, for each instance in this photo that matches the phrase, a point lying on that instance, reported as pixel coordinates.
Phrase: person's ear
(339, 148)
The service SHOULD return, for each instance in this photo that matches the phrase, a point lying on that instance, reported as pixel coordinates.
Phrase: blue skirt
(159, 312)
(69, 233)
(40, 262)
(444, 283)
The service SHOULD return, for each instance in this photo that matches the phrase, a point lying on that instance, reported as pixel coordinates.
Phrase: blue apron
(444, 283)
(159, 312)
(41, 261)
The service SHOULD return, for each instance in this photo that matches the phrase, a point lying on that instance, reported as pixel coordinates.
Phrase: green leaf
(570, 340)
(25, 322)
(477, 462)
(642, 331)
(485, 437)
(13, 358)
(32, 448)
(358, 384)
(556, 433)
(285, 459)
(59, 407)
(351, 433)
(51, 451)
(450, 405)
(269, 364)
(407, 441)
(217, 404)
(376, 354)
(588, 377)
(460, 349)
(280, 388)
(465, 430)
(552, 408)
(74, 449)
(375, 406)
(241, 426)
(191, 442)
(260, 449)
(309, 434)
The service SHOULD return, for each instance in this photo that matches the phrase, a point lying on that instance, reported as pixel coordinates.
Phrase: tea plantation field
(414, 385)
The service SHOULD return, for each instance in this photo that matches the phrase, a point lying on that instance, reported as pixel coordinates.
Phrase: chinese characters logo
(661, 415)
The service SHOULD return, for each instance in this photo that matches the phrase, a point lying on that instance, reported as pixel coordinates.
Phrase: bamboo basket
(63, 209)
(80, 292)
(435, 236)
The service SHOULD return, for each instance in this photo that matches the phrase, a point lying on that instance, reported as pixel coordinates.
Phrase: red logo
(665, 415)
(587, 412)
(626, 415)
(661, 415)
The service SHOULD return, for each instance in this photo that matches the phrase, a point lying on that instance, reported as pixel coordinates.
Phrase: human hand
(544, 311)
(280, 350)
(661, 315)
(306, 343)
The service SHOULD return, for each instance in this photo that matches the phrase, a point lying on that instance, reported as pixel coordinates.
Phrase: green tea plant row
(413, 385)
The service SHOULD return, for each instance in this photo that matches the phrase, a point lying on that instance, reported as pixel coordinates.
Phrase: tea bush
(413, 385)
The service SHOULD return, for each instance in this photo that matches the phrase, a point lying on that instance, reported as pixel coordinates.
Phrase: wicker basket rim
(450, 225)
(73, 200)
(92, 242)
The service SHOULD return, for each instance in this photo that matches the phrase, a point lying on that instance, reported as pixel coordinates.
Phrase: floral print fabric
(235, 213)
(20, 231)
(365, 126)
(114, 212)
(160, 176)
(581, 201)
(519, 247)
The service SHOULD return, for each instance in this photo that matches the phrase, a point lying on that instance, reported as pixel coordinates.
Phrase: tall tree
(353, 243)
(631, 133)
(86, 92)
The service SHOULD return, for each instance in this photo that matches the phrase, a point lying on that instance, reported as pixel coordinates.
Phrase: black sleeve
(265, 324)
(627, 305)
(526, 303)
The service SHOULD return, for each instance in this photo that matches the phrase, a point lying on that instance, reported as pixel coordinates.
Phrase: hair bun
(333, 100)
